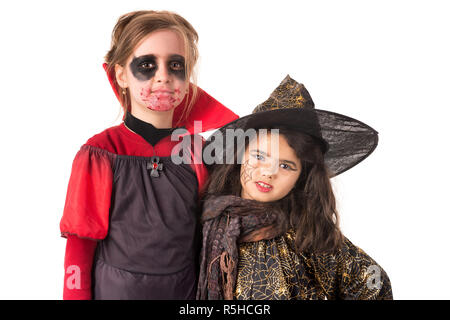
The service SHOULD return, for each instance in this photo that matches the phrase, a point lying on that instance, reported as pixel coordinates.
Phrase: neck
(159, 119)
(146, 130)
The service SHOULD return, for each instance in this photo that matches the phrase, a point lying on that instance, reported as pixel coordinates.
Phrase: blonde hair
(132, 28)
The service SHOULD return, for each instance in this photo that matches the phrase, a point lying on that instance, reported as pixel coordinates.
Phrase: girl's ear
(121, 76)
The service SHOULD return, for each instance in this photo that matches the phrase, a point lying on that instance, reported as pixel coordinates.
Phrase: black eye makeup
(177, 66)
(144, 67)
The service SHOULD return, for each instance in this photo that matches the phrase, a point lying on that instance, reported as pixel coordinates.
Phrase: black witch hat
(345, 141)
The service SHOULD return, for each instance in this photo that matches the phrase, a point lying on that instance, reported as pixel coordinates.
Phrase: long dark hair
(309, 208)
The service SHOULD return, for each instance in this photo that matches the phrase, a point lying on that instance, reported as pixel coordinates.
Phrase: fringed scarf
(228, 220)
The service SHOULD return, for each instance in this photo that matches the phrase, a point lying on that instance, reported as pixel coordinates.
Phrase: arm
(360, 277)
(78, 266)
(85, 218)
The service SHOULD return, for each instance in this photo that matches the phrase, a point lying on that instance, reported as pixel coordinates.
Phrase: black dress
(146, 225)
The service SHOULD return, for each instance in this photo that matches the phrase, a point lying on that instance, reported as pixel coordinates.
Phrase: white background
(385, 63)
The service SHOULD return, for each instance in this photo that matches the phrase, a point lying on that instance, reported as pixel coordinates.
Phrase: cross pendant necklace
(155, 166)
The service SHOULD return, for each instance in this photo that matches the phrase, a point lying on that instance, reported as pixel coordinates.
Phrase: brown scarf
(228, 220)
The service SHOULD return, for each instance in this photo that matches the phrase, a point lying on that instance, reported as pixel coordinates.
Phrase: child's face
(268, 175)
(155, 72)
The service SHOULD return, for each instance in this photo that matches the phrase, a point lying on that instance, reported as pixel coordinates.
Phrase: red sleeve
(86, 211)
(78, 266)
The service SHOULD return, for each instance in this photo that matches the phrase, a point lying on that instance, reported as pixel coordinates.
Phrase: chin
(159, 110)
(262, 198)
(265, 200)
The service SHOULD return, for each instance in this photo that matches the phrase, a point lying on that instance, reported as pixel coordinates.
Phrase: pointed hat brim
(345, 140)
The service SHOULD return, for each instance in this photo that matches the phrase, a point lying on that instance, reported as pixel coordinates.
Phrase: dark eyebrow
(281, 160)
(144, 57)
(262, 152)
(176, 57)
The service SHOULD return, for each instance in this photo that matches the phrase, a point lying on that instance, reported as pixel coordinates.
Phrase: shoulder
(358, 269)
(352, 257)
(350, 250)
(108, 139)
(354, 254)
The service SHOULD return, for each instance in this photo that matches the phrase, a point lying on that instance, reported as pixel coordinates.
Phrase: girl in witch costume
(130, 216)
(270, 225)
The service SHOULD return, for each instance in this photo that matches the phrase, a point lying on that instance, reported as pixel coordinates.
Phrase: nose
(162, 74)
(269, 170)
(267, 174)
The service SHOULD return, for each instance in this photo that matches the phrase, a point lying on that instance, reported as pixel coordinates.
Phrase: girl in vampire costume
(130, 216)
(270, 225)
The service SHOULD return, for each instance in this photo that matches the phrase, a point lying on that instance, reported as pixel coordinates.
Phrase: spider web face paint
(247, 172)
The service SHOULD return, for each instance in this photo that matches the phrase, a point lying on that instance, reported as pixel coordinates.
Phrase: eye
(147, 65)
(285, 166)
(175, 65)
(259, 157)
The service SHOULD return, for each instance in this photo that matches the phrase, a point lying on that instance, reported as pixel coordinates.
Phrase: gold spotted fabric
(289, 94)
(271, 270)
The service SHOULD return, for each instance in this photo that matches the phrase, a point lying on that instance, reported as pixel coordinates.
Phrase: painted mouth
(161, 99)
(263, 187)
(162, 95)
(162, 91)
(160, 102)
